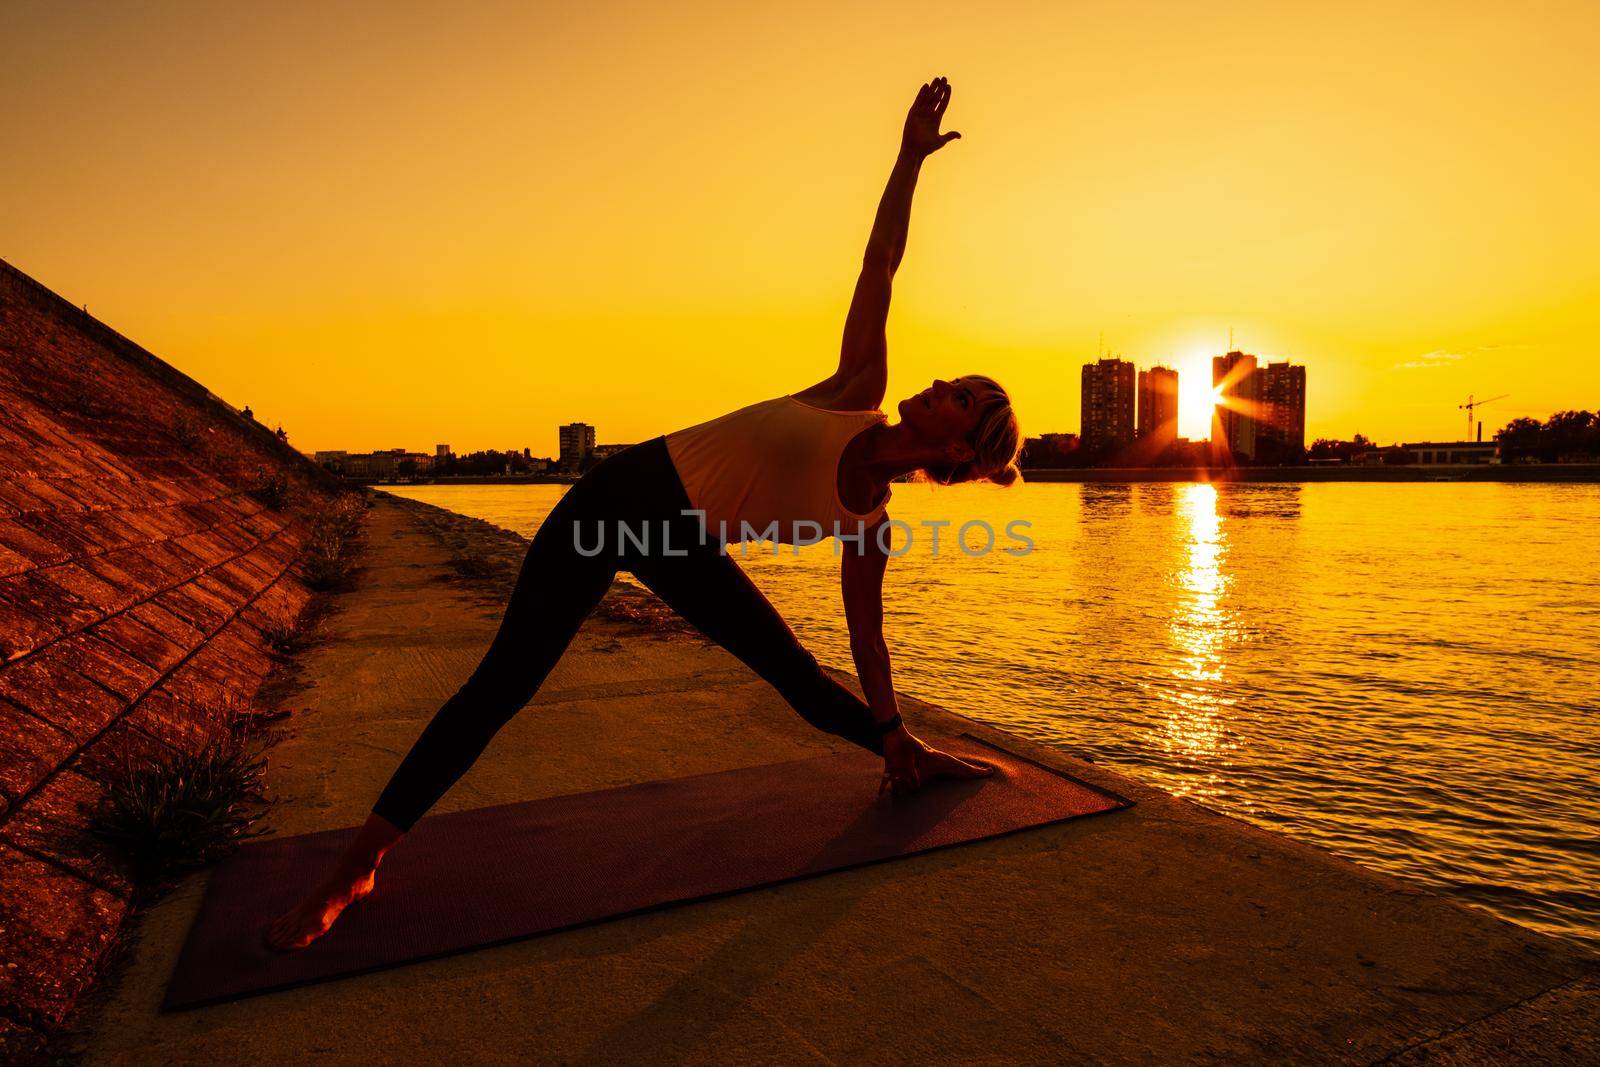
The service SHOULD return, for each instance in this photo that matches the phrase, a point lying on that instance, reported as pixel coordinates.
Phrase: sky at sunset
(395, 226)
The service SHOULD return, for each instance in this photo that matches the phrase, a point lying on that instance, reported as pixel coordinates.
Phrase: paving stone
(138, 572)
(207, 513)
(22, 630)
(262, 525)
(16, 499)
(231, 583)
(87, 586)
(191, 562)
(177, 565)
(58, 530)
(145, 525)
(112, 668)
(13, 562)
(139, 642)
(220, 594)
(82, 492)
(275, 603)
(195, 606)
(213, 550)
(54, 927)
(48, 685)
(46, 601)
(179, 631)
(38, 492)
(209, 680)
(19, 1044)
(238, 642)
(19, 540)
(30, 749)
(115, 524)
(53, 822)
(260, 565)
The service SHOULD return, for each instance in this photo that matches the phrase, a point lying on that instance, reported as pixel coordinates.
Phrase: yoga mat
(476, 878)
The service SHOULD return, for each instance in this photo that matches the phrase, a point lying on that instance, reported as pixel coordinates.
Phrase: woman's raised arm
(863, 370)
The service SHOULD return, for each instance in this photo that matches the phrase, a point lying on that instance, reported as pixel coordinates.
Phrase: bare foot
(933, 764)
(298, 927)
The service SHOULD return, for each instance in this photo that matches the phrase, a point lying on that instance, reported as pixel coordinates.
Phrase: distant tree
(1052, 450)
(1568, 435)
(1330, 448)
(407, 467)
(1271, 452)
(1571, 435)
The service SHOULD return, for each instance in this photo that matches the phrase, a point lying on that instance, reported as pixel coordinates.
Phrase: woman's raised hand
(922, 136)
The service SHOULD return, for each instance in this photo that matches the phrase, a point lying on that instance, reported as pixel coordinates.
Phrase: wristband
(890, 726)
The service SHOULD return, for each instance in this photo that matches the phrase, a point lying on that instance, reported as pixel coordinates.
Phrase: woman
(824, 456)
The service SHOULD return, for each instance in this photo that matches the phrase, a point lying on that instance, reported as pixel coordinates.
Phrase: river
(1403, 674)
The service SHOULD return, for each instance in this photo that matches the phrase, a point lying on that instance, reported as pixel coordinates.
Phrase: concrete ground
(1164, 933)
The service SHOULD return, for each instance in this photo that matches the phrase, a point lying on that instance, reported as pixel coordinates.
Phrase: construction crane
(1472, 405)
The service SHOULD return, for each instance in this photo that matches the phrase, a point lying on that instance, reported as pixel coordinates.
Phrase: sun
(1196, 395)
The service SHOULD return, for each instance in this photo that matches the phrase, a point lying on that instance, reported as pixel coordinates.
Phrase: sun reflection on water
(1195, 725)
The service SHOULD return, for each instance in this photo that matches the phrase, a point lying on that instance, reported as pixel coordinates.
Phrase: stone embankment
(145, 547)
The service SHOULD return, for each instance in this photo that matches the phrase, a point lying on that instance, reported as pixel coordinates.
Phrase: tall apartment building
(1281, 435)
(1158, 408)
(1233, 420)
(1108, 404)
(577, 444)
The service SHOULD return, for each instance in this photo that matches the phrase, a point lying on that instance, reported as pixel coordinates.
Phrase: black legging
(559, 585)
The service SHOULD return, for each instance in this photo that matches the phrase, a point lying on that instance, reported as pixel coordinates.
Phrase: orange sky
(388, 226)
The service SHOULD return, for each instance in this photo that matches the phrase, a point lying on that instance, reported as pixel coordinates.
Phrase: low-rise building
(1436, 453)
(376, 466)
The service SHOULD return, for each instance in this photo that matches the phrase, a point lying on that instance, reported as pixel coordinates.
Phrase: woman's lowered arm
(908, 763)
(861, 581)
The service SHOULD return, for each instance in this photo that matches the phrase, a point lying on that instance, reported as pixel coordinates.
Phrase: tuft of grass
(184, 809)
(284, 636)
(273, 488)
(479, 567)
(332, 539)
(186, 431)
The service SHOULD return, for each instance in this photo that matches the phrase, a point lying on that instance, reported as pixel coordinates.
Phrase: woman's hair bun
(1006, 475)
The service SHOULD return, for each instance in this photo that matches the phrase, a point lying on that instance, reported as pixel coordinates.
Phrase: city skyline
(466, 229)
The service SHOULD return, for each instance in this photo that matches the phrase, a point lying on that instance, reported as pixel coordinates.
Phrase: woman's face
(944, 412)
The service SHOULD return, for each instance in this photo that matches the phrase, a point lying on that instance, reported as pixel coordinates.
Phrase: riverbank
(1463, 472)
(500, 479)
(1167, 932)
